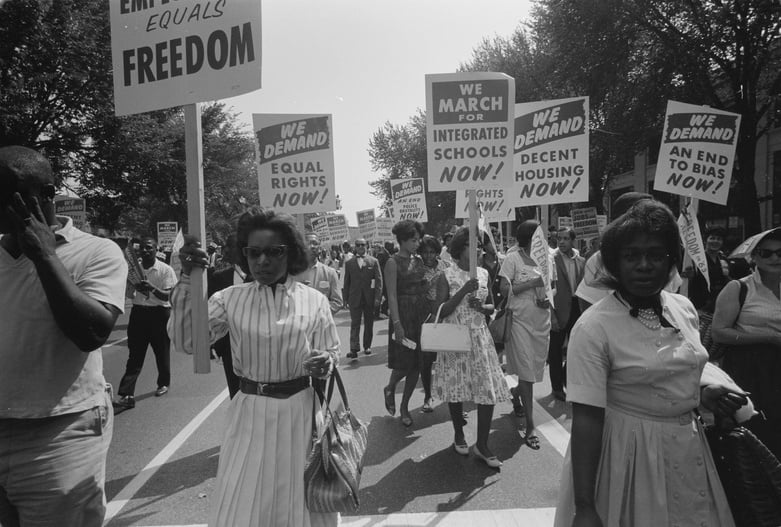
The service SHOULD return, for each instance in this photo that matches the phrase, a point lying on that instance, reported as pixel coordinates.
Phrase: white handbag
(444, 336)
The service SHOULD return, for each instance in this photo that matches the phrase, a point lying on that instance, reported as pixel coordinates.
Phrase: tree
(399, 152)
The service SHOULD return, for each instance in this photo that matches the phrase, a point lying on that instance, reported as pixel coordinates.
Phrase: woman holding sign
(282, 335)
(405, 276)
(527, 347)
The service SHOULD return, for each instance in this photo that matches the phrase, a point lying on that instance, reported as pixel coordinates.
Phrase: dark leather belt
(277, 390)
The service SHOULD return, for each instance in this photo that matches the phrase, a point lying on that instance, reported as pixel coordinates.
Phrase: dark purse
(332, 474)
(750, 475)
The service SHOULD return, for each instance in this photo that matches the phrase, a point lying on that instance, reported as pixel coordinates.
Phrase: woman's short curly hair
(459, 242)
(284, 225)
(646, 217)
(525, 231)
(406, 229)
(429, 242)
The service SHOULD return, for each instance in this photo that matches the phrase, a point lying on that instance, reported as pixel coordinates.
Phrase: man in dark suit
(233, 275)
(565, 309)
(363, 292)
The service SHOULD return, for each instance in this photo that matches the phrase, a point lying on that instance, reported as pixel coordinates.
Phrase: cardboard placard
(385, 229)
(409, 199)
(551, 152)
(366, 224)
(337, 228)
(168, 54)
(584, 222)
(295, 162)
(493, 203)
(166, 234)
(74, 208)
(697, 152)
(469, 130)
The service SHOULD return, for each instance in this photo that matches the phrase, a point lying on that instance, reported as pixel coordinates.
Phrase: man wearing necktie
(363, 292)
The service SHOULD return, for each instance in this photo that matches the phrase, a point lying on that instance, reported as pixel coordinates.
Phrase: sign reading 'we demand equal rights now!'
(295, 162)
(168, 54)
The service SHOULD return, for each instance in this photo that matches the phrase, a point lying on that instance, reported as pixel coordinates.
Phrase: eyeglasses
(272, 251)
(654, 256)
(767, 253)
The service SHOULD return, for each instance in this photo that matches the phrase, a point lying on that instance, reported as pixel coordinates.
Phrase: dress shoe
(125, 402)
(161, 391)
(367, 351)
(461, 449)
(559, 395)
(353, 355)
(492, 461)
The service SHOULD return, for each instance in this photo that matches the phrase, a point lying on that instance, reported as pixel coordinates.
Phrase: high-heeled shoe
(390, 400)
(492, 461)
(462, 449)
(406, 420)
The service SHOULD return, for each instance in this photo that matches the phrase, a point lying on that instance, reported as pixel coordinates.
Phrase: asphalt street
(163, 458)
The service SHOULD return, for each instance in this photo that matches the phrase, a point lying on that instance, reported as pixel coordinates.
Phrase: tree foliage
(56, 95)
(399, 151)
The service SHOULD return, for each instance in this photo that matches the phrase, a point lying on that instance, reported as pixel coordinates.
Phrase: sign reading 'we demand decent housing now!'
(168, 54)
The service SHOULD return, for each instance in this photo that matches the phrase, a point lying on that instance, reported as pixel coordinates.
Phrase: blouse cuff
(579, 393)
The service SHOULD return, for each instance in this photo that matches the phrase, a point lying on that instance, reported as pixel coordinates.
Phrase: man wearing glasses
(363, 291)
(320, 276)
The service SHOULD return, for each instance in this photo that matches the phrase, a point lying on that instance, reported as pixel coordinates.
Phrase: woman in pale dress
(476, 375)
(282, 333)
(637, 454)
(429, 250)
(527, 348)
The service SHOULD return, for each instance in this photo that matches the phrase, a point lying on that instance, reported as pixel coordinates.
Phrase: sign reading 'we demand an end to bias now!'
(167, 53)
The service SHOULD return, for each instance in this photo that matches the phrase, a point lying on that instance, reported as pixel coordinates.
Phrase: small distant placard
(584, 222)
(166, 234)
(74, 208)
(409, 199)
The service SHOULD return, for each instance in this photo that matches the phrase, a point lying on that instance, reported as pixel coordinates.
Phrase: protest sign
(541, 255)
(171, 54)
(74, 208)
(320, 228)
(409, 199)
(492, 202)
(697, 152)
(601, 222)
(337, 228)
(366, 223)
(166, 234)
(295, 162)
(385, 229)
(469, 130)
(355, 233)
(565, 222)
(551, 152)
(691, 238)
(584, 222)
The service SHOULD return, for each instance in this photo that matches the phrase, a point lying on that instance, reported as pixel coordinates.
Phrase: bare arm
(452, 303)
(587, 424)
(377, 283)
(724, 317)
(393, 302)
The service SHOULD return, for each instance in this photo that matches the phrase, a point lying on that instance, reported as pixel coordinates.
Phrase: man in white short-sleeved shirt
(62, 290)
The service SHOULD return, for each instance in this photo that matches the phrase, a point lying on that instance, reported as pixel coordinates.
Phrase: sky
(364, 62)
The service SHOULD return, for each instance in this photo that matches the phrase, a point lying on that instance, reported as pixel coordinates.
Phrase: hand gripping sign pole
(197, 225)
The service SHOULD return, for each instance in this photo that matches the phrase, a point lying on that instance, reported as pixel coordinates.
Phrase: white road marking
(542, 517)
(141, 479)
(546, 424)
(115, 342)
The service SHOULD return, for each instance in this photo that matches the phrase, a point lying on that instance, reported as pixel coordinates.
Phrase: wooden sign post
(472, 234)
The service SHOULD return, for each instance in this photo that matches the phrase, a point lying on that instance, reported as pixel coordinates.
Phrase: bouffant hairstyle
(431, 243)
(284, 225)
(646, 217)
(459, 242)
(406, 229)
(525, 231)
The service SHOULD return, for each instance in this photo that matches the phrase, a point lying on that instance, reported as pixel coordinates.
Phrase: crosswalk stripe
(546, 424)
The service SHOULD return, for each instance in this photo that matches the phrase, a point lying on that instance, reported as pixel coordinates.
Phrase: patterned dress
(432, 275)
(412, 309)
(474, 376)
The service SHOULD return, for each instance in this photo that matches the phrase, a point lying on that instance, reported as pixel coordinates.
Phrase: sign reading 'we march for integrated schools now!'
(551, 152)
(295, 162)
(469, 130)
(167, 54)
(409, 199)
(366, 223)
(697, 152)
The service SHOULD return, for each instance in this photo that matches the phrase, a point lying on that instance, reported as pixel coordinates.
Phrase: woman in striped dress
(282, 333)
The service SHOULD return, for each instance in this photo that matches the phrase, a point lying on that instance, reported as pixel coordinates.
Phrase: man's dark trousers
(147, 326)
(365, 310)
(558, 372)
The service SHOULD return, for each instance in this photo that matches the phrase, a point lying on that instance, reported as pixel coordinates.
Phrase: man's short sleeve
(169, 278)
(105, 274)
(588, 364)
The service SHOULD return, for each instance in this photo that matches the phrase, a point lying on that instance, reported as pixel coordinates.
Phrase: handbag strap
(439, 311)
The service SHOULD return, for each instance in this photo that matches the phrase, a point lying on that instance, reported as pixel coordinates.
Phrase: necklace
(649, 319)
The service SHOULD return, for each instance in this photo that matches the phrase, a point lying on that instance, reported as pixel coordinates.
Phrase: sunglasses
(767, 253)
(272, 251)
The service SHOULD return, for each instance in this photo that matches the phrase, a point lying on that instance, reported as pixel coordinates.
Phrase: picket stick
(544, 219)
(196, 224)
(472, 234)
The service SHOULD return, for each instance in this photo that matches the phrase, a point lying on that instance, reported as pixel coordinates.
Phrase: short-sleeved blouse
(761, 309)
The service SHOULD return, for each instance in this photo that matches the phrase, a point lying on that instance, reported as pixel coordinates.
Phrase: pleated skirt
(652, 472)
(260, 479)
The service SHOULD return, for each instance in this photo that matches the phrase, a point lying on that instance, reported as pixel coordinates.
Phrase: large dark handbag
(501, 325)
(332, 474)
(750, 475)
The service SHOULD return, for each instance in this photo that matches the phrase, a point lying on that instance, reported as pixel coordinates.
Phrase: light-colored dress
(527, 348)
(474, 376)
(260, 479)
(655, 467)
